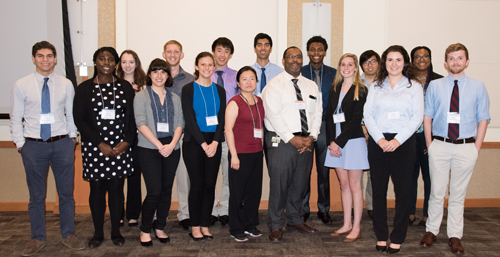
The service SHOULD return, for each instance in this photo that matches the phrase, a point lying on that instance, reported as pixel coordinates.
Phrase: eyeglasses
(421, 57)
(294, 57)
(372, 62)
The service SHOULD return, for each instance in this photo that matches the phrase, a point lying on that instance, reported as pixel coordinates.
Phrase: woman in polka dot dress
(103, 113)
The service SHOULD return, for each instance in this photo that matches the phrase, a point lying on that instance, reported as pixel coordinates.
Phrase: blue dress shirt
(271, 70)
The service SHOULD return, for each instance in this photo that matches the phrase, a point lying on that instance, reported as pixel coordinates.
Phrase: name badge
(108, 114)
(47, 118)
(257, 133)
(162, 127)
(338, 118)
(453, 117)
(393, 115)
(300, 105)
(212, 121)
(275, 140)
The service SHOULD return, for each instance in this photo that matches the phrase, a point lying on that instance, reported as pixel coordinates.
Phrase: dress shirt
(406, 99)
(271, 71)
(474, 105)
(326, 80)
(229, 77)
(26, 100)
(279, 99)
(180, 80)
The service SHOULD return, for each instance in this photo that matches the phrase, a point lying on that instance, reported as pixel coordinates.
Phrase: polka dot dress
(95, 165)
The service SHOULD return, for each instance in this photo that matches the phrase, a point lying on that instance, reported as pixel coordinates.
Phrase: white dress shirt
(279, 100)
(26, 101)
(399, 111)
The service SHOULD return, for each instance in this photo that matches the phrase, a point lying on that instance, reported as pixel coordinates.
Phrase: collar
(403, 82)
(225, 69)
(181, 74)
(39, 76)
(265, 67)
(452, 79)
(289, 77)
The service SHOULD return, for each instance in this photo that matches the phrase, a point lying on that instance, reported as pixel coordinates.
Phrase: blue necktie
(263, 81)
(220, 81)
(45, 132)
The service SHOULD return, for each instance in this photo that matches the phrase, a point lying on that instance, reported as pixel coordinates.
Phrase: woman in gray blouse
(159, 119)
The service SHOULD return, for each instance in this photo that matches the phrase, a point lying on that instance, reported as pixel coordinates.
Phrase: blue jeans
(36, 158)
(422, 162)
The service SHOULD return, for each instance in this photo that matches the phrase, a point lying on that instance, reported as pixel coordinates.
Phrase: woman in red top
(244, 119)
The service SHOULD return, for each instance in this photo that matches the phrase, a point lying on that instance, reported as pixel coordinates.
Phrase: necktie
(45, 132)
(317, 80)
(453, 128)
(263, 81)
(303, 117)
(220, 81)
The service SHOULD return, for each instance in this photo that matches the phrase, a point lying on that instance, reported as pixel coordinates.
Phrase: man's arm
(428, 130)
(481, 132)
(70, 123)
(16, 116)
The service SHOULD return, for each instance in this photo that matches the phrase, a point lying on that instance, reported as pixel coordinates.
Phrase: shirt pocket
(310, 105)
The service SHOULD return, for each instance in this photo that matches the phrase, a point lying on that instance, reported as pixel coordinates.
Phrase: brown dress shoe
(456, 246)
(302, 228)
(276, 235)
(352, 240)
(335, 233)
(33, 247)
(73, 243)
(428, 239)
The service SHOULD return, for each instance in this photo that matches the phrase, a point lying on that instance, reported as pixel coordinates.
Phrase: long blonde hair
(358, 83)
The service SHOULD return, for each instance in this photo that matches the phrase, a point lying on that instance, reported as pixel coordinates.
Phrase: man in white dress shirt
(293, 119)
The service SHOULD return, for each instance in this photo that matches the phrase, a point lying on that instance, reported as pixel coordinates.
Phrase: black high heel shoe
(392, 250)
(147, 243)
(197, 239)
(381, 248)
(162, 240)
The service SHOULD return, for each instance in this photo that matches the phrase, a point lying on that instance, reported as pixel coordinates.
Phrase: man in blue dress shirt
(455, 119)
(323, 76)
(263, 46)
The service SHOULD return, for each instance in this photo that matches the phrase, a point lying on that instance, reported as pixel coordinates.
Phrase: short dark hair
(110, 50)
(43, 45)
(317, 39)
(197, 60)
(407, 68)
(291, 47)
(224, 42)
(159, 64)
(262, 36)
(246, 68)
(367, 55)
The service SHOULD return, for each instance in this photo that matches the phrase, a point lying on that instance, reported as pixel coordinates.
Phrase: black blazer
(353, 112)
(192, 130)
(84, 116)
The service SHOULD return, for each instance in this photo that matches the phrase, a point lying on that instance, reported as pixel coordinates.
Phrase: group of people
(133, 122)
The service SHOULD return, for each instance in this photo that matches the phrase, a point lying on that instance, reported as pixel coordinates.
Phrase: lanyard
(256, 106)
(102, 97)
(213, 94)
(320, 79)
(156, 108)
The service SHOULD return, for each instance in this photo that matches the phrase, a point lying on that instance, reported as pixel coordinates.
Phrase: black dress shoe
(208, 238)
(410, 221)
(197, 239)
(184, 224)
(162, 240)
(325, 217)
(147, 244)
(306, 216)
(381, 248)
(133, 224)
(392, 250)
(224, 220)
(370, 213)
(213, 219)
(95, 242)
(422, 223)
(118, 240)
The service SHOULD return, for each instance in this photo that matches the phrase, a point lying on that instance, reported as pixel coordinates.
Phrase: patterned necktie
(453, 128)
(263, 81)
(45, 132)
(220, 81)
(303, 117)
(317, 80)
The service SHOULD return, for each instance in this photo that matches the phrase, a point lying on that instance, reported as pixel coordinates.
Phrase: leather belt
(458, 141)
(50, 140)
(301, 134)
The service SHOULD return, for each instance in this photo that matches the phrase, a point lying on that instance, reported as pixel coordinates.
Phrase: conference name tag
(47, 118)
(275, 140)
(453, 117)
(108, 114)
(212, 121)
(300, 105)
(338, 118)
(393, 116)
(162, 127)
(257, 133)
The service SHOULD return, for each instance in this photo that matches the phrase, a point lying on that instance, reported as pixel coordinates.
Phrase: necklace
(421, 78)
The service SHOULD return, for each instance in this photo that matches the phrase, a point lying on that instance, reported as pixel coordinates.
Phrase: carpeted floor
(480, 239)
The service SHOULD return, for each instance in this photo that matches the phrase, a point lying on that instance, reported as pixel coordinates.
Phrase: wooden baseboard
(23, 206)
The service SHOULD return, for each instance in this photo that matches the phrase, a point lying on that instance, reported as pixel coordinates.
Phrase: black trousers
(97, 203)
(245, 191)
(159, 174)
(202, 172)
(134, 194)
(397, 165)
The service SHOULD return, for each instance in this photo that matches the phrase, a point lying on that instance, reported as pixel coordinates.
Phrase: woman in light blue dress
(348, 153)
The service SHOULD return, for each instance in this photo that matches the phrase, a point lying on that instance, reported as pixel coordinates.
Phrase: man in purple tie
(455, 119)
(48, 136)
